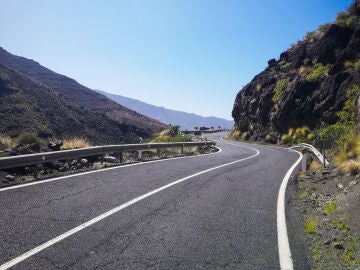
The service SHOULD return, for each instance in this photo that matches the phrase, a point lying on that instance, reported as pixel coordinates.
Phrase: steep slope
(78, 93)
(27, 105)
(164, 115)
(307, 85)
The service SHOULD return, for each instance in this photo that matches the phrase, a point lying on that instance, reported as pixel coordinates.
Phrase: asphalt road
(223, 218)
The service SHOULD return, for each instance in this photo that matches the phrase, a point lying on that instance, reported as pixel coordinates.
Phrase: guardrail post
(139, 154)
(182, 150)
(304, 160)
(121, 157)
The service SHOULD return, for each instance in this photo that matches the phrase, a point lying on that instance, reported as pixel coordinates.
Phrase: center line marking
(65, 235)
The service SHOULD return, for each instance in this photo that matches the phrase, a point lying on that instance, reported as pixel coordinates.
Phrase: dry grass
(6, 141)
(75, 142)
(350, 167)
(315, 165)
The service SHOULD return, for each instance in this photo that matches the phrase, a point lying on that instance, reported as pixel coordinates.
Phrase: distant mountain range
(183, 119)
(34, 98)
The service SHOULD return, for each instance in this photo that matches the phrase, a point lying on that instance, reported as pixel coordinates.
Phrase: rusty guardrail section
(33, 159)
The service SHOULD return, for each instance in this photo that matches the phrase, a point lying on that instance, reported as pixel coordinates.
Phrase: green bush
(299, 135)
(342, 130)
(357, 65)
(179, 138)
(346, 19)
(279, 89)
(320, 72)
(28, 138)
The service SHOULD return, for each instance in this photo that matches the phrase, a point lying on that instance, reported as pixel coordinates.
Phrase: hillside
(78, 93)
(164, 115)
(308, 85)
(27, 105)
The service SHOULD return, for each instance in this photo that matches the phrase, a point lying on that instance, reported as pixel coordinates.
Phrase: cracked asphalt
(222, 219)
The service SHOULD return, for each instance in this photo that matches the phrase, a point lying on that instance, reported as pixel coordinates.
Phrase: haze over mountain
(183, 119)
(78, 93)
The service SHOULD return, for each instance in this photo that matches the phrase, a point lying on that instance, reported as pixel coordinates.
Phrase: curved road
(216, 211)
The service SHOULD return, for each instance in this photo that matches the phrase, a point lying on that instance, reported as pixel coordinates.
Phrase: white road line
(285, 259)
(99, 171)
(65, 235)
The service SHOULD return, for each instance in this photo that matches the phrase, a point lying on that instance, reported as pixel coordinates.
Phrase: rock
(327, 242)
(353, 183)
(110, 159)
(84, 161)
(340, 186)
(73, 163)
(10, 177)
(325, 172)
(23, 149)
(55, 146)
(339, 246)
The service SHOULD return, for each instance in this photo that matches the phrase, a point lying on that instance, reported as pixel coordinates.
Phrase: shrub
(310, 225)
(357, 65)
(351, 166)
(6, 141)
(329, 208)
(245, 136)
(315, 165)
(347, 19)
(76, 142)
(298, 135)
(178, 138)
(320, 72)
(311, 36)
(279, 89)
(28, 138)
(343, 130)
(236, 134)
(284, 65)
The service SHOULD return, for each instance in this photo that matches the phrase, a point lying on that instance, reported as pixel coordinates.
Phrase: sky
(187, 55)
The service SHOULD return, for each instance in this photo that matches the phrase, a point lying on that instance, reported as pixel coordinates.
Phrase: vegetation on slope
(27, 105)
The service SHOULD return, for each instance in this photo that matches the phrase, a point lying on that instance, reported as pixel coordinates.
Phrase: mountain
(78, 93)
(182, 119)
(308, 85)
(28, 105)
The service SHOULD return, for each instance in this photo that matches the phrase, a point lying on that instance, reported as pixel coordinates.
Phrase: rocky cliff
(307, 85)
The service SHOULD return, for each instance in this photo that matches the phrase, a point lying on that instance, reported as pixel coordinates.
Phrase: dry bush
(315, 165)
(6, 141)
(350, 167)
(76, 142)
(28, 138)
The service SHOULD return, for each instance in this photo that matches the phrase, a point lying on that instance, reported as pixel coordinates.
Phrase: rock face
(307, 85)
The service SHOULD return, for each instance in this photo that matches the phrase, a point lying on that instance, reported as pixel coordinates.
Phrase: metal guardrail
(314, 150)
(33, 159)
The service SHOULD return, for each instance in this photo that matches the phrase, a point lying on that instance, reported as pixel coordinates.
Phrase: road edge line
(286, 262)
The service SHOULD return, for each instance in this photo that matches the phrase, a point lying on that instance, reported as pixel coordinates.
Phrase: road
(217, 211)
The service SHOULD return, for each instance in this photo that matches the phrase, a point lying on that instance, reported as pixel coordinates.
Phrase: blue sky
(188, 55)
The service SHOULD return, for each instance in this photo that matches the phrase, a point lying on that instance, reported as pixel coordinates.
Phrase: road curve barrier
(316, 152)
(39, 158)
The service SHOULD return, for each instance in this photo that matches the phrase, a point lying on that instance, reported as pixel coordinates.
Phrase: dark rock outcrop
(317, 70)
